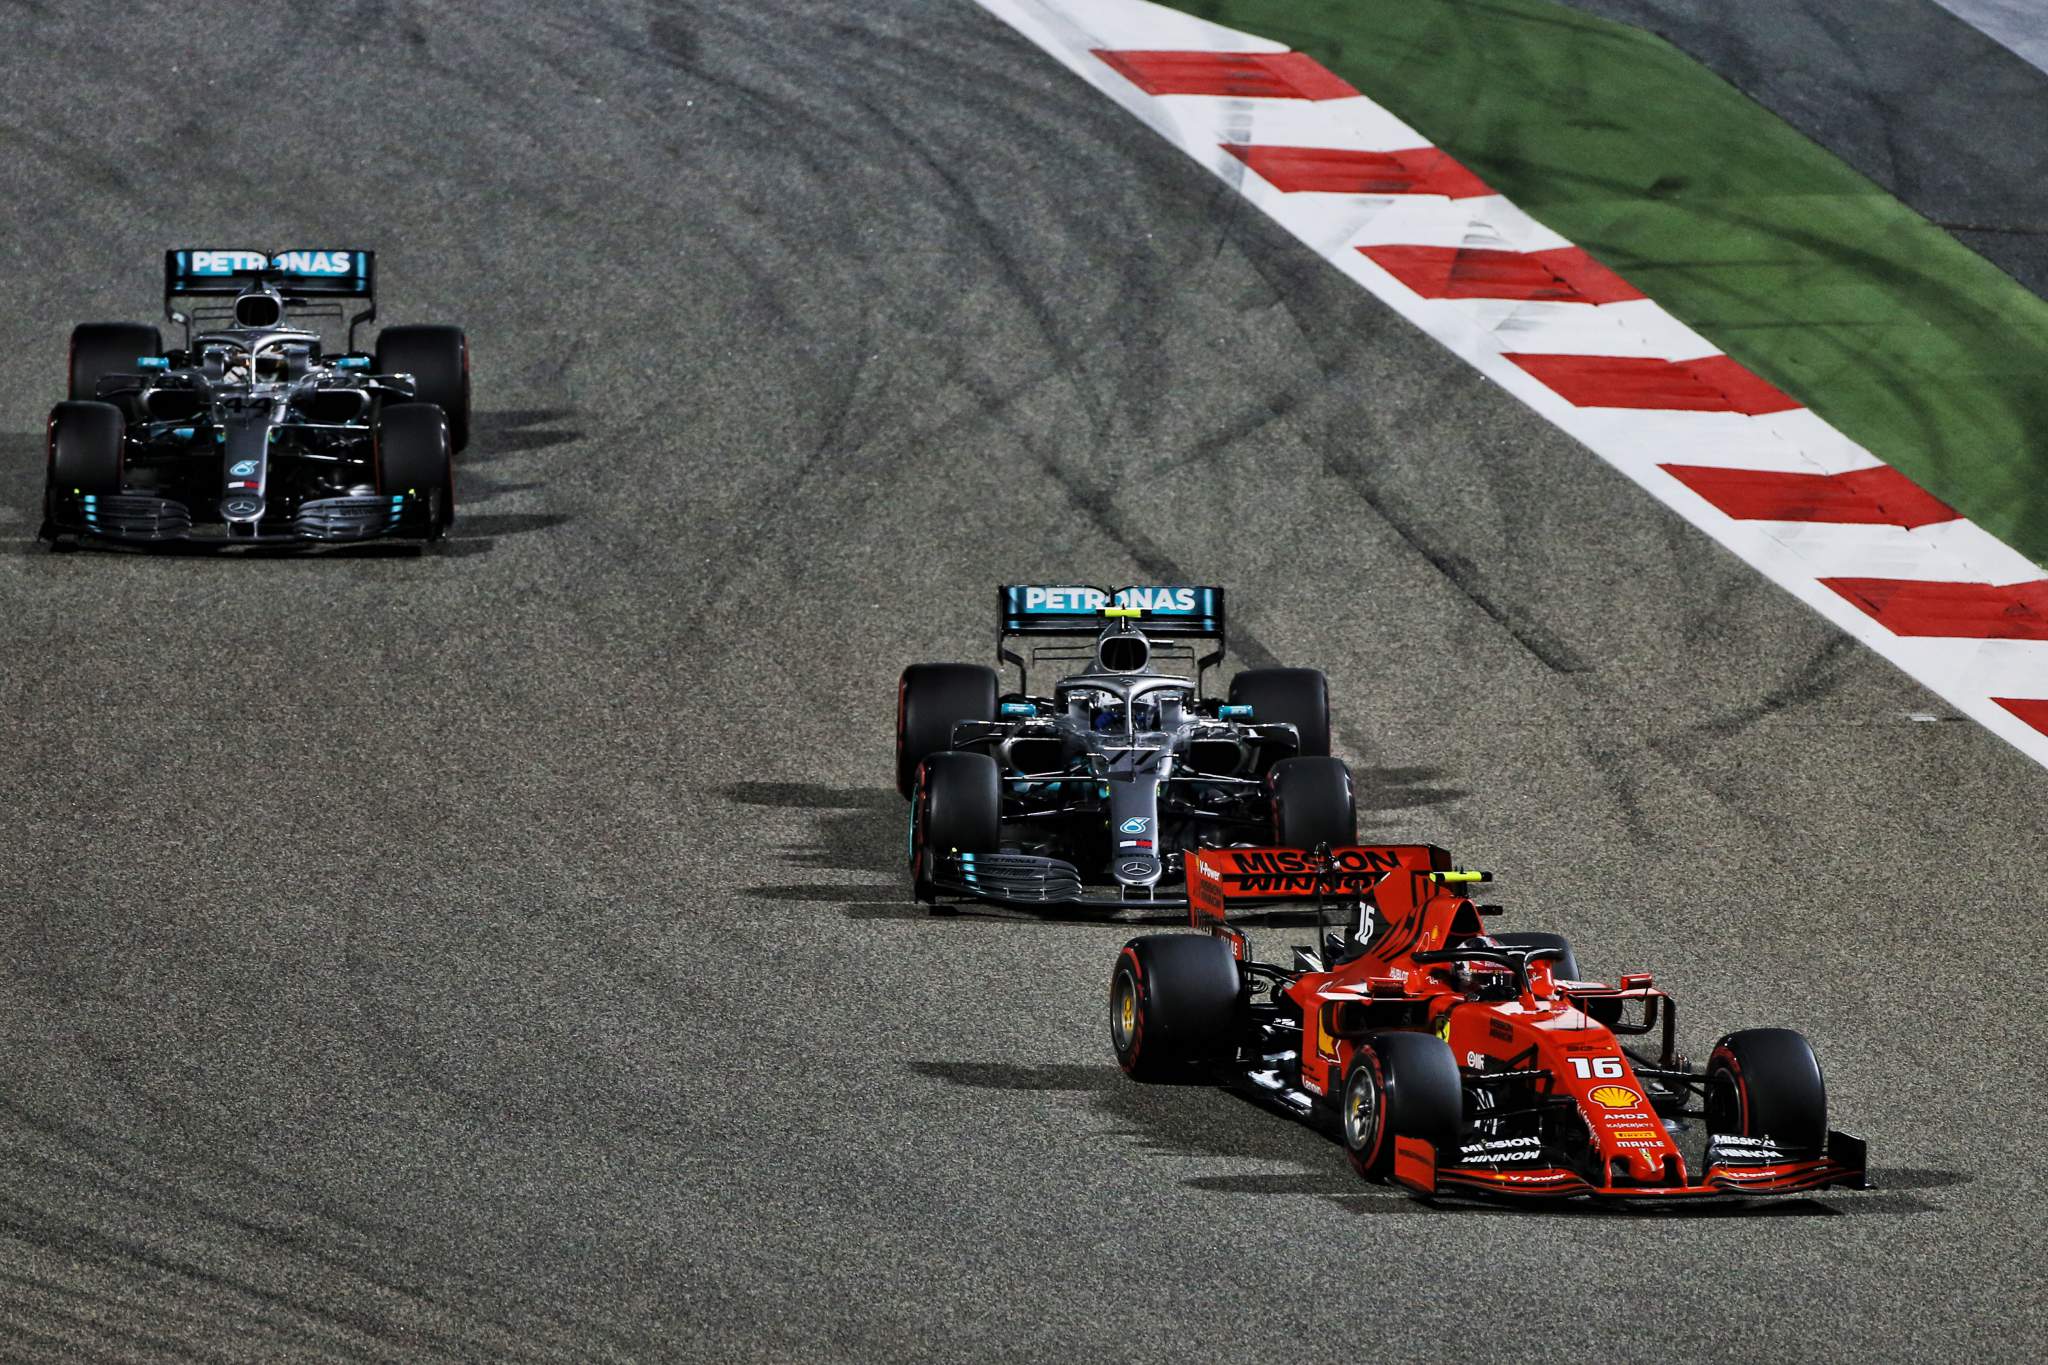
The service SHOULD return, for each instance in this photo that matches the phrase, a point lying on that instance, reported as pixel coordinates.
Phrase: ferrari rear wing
(1219, 878)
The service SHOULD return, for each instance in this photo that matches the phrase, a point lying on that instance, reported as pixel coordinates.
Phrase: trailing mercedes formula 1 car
(1091, 794)
(1458, 1061)
(250, 431)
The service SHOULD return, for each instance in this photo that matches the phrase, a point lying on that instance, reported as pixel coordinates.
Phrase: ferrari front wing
(1418, 1166)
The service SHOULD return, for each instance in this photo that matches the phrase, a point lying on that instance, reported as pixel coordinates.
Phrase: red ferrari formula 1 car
(1455, 1060)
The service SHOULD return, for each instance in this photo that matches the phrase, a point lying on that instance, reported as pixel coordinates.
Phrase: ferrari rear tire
(1176, 1002)
(1291, 696)
(437, 358)
(103, 348)
(1565, 966)
(1399, 1085)
(957, 807)
(413, 456)
(1312, 803)
(1766, 1083)
(85, 457)
(930, 700)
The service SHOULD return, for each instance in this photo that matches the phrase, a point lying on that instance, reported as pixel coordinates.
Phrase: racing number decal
(1597, 1068)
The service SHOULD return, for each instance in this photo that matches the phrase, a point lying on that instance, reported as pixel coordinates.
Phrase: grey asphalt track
(504, 953)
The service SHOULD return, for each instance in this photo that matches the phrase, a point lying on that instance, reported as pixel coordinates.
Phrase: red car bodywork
(1529, 1029)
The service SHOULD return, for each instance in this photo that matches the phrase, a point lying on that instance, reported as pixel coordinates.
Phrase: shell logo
(1614, 1097)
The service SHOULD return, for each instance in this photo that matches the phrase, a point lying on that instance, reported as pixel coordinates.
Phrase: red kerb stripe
(1335, 170)
(2032, 710)
(1714, 383)
(1881, 496)
(1561, 275)
(1955, 611)
(1269, 75)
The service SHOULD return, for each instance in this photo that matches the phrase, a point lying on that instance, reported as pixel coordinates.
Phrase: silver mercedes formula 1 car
(250, 430)
(1091, 793)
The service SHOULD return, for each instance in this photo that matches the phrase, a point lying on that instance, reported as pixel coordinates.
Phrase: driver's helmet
(279, 363)
(1471, 976)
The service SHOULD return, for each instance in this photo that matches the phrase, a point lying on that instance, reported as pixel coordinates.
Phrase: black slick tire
(956, 807)
(437, 358)
(1766, 1083)
(1176, 1002)
(412, 456)
(930, 700)
(1312, 803)
(103, 348)
(86, 446)
(1288, 696)
(1398, 1085)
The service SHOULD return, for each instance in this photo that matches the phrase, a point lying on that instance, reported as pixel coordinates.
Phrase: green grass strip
(1805, 271)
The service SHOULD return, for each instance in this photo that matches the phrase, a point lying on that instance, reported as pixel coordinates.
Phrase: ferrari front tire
(1766, 1083)
(1399, 1085)
(1176, 1002)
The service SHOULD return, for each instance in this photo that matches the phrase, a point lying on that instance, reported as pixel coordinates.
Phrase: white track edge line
(1952, 669)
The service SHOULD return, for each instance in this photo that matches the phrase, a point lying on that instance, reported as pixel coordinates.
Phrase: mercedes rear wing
(1064, 613)
(306, 277)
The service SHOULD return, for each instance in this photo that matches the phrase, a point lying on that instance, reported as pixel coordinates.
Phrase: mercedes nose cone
(1136, 869)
